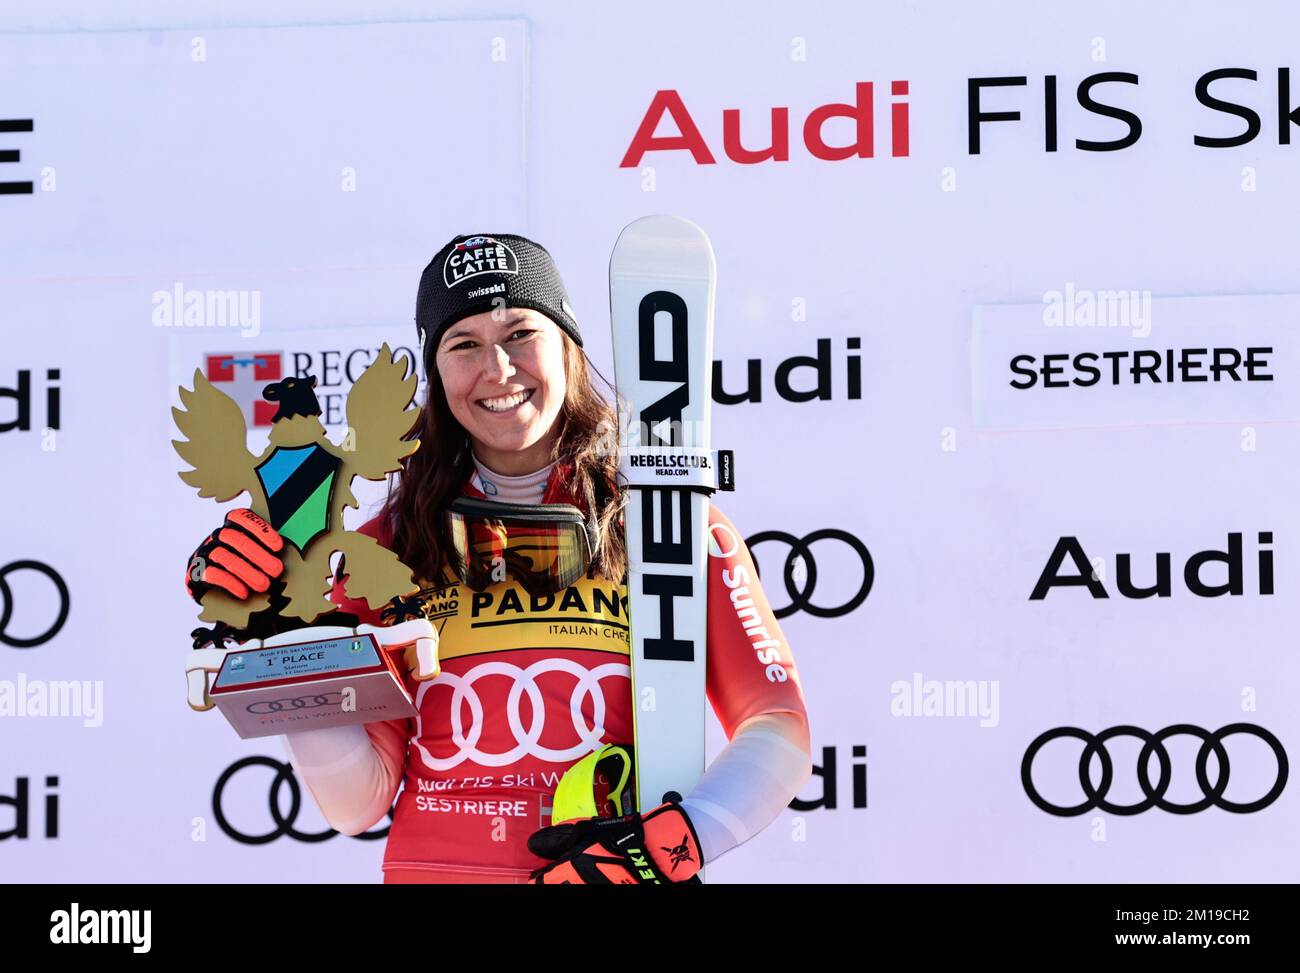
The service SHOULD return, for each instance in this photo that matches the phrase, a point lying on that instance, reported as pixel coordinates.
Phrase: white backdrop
(320, 166)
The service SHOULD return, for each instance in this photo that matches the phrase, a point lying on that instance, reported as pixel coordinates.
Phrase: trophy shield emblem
(299, 485)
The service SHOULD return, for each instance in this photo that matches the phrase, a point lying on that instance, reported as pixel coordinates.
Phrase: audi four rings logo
(311, 701)
(283, 823)
(526, 739)
(723, 543)
(7, 604)
(1153, 744)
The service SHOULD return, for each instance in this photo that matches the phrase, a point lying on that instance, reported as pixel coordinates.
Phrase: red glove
(654, 848)
(241, 557)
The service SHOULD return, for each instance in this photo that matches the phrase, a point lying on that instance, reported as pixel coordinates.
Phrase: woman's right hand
(241, 557)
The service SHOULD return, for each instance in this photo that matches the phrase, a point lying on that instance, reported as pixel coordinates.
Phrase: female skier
(533, 651)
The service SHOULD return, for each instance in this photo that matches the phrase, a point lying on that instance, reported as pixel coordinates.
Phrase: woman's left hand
(654, 848)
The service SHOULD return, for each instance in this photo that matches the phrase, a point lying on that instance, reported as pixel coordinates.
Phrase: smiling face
(505, 383)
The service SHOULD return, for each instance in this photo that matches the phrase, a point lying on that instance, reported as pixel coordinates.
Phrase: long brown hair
(435, 474)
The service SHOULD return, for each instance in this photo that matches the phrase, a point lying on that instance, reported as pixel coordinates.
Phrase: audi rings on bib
(1153, 744)
(284, 823)
(7, 604)
(526, 739)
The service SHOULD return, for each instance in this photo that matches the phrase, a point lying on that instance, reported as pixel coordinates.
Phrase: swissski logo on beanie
(478, 255)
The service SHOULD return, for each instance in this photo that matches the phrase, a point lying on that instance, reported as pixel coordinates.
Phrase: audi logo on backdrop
(282, 824)
(1153, 745)
(8, 599)
(800, 572)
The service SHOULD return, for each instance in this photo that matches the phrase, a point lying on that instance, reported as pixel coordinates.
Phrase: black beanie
(481, 272)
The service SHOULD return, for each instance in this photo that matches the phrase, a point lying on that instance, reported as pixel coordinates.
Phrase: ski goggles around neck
(543, 547)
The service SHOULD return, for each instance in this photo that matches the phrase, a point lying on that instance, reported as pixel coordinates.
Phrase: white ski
(661, 290)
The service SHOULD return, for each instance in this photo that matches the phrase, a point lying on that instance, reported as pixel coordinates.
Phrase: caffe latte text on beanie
(474, 273)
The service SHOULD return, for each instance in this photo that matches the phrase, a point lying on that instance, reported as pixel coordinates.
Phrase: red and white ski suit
(528, 687)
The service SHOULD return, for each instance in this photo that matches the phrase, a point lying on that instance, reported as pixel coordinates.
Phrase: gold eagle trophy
(289, 658)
